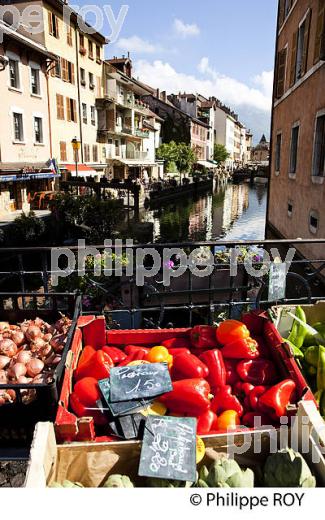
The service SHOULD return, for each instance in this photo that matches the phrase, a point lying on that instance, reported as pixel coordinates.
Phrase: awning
(207, 164)
(135, 164)
(28, 177)
(83, 170)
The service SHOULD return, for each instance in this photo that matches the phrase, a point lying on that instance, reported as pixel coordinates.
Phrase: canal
(232, 212)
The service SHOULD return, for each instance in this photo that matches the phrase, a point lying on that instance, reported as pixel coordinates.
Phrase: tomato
(228, 420)
(158, 355)
(231, 330)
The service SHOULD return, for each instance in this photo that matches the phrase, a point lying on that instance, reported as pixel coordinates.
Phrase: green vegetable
(226, 473)
(287, 468)
(306, 330)
(322, 404)
(320, 327)
(118, 481)
(321, 369)
(297, 353)
(302, 331)
(164, 483)
(311, 356)
(66, 484)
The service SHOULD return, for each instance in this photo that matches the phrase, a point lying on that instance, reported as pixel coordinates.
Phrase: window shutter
(68, 109)
(99, 87)
(50, 22)
(72, 74)
(293, 58)
(60, 107)
(281, 70)
(319, 52)
(75, 117)
(306, 44)
(57, 27)
(281, 13)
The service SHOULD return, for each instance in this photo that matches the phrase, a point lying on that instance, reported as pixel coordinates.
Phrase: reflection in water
(233, 212)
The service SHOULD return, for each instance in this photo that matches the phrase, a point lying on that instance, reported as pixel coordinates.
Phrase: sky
(222, 48)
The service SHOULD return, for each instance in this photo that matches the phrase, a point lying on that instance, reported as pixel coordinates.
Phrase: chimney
(158, 93)
(164, 96)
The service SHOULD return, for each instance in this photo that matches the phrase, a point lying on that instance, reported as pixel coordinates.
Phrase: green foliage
(220, 154)
(26, 229)
(181, 154)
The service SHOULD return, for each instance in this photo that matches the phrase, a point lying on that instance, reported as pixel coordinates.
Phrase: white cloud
(137, 44)
(252, 103)
(185, 29)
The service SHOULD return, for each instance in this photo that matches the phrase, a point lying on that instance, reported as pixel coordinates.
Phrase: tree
(26, 230)
(220, 154)
(180, 154)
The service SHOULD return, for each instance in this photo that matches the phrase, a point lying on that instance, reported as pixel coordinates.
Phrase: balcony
(139, 132)
(135, 155)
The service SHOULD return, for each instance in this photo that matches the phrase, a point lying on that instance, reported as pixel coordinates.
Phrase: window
(38, 130)
(59, 107)
(290, 208)
(69, 35)
(35, 81)
(313, 221)
(90, 50)
(95, 153)
(299, 50)
(84, 113)
(93, 115)
(319, 51)
(117, 148)
(14, 73)
(63, 151)
(281, 72)
(91, 81)
(294, 149)
(319, 147)
(71, 110)
(285, 6)
(18, 127)
(56, 69)
(81, 40)
(83, 77)
(67, 71)
(278, 152)
(99, 86)
(98, 53)
(53, 25)
(86, 152)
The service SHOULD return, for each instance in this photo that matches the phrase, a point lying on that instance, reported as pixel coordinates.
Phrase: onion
(17, 370)
(4, 361)
(46, 351)
(3, 377)
(24, 357)
(34, 367)
(56, 360)
(4, 325)
(58, 342)
(47, 337)
(8, 348)
(18, 337)
(33, 332)
(39, 380)
(37, 344)
(23, 380)
(11, 395)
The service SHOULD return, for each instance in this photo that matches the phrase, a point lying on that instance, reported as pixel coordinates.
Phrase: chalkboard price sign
(169, 448)
(123, 407)
(135, 382)
(277, 281)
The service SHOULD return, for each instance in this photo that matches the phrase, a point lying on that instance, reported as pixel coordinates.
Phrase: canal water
(232, 212)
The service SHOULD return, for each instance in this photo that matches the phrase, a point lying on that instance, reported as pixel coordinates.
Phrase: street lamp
(76, 144)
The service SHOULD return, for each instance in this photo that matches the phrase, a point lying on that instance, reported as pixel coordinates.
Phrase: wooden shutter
(293, 58)
(306, 44)
(68, 103)
(281, 13)
(57, 23)
(72, 74)
(50, 22)
(60, 106)
(99, 87)
(319, 52)
(75, 117)
(281, 73)
(63, 151)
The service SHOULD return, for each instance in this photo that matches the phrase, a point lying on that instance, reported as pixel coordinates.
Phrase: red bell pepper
(86, 354)
(136, 355)
(187, 366)
(206, 422)
(242, 390)
(177, 351)
(250, 419)
(213, 359)
(189, 396)
(97, 367)
(203, 336)
(116, 354)
(277, 398)
(83, 400)
(231, 371)
(257, 371)
(175, 343)
(224, 400)
(130, 349)
(254, 398)
(241, 348)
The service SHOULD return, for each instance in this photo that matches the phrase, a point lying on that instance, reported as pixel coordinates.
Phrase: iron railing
(189, 299)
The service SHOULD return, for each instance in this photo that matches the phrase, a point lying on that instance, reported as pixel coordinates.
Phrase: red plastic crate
(91, 331)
